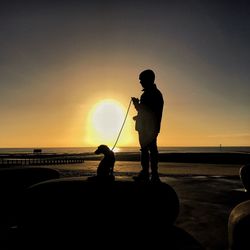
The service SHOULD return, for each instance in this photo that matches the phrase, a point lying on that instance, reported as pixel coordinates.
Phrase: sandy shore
(165, 168)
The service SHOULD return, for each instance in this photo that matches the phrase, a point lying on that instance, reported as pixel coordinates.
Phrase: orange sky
(56, 112)
(58, 61)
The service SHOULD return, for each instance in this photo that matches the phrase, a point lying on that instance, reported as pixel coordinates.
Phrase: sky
(59, 59)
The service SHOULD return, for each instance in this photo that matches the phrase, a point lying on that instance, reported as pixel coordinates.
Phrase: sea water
(79, 150)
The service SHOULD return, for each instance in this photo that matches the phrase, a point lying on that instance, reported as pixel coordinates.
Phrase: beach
(129, 168)
(207, 192)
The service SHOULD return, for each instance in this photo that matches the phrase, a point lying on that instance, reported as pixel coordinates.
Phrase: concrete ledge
(239, 227)
(121, 210)
(22, 177)
(245, 176)
(13, 181)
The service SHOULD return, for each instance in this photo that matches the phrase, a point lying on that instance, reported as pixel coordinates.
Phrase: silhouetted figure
(148, 123)
(106, 166)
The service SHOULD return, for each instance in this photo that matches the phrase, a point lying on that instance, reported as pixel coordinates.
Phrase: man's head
(147, 78)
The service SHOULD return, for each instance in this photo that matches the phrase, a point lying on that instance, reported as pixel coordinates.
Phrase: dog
(105, 169)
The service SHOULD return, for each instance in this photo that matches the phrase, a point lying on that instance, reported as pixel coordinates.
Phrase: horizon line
(200, 146)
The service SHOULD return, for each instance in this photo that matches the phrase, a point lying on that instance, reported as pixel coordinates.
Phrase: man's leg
(145, 160)
(144, 174)
(154, 160)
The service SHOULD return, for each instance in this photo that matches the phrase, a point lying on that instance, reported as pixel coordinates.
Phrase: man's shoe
(142, 177)
(155, 178)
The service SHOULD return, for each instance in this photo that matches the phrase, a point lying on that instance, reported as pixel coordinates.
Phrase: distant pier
(38, 160)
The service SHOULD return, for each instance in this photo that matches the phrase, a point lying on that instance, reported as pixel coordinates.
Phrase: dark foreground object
(239, 227)
(80, 213)
(245, 176)
(13, 181)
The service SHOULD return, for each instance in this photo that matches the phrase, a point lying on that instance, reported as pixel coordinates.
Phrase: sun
(105, 121)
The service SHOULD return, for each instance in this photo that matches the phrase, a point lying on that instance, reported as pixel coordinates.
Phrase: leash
(122, 125)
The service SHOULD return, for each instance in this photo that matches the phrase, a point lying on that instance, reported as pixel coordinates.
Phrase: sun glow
(105, 121)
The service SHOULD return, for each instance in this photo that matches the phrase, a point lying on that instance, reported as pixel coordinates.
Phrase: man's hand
(135, 100)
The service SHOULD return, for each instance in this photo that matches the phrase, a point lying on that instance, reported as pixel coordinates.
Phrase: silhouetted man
(148, 123)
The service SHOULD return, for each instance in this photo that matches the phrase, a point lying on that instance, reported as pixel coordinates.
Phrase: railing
(39, 161)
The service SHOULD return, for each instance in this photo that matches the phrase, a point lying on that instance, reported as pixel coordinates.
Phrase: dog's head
(102, 149)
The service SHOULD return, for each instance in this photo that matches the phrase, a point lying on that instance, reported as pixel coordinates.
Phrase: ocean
(78, 150)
